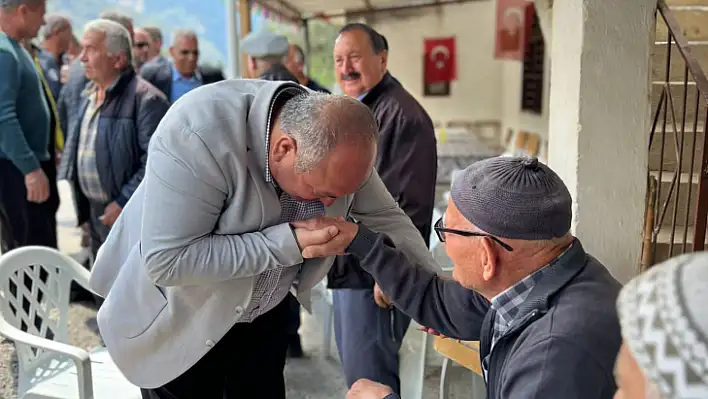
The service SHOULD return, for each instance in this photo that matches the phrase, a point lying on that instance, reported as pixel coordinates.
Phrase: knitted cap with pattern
(664, 318)
(514, 197)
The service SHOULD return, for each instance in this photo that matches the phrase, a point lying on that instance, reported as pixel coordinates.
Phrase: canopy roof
(298, 10)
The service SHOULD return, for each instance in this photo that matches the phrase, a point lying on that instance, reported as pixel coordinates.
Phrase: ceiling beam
(286, 10)
(368, 11)
(289, 7)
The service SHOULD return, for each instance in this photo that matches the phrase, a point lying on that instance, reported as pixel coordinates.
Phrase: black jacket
(563, 341)
(407, 162)
(69, 99)
(129, 116)
(160, 75)
(312, 85)
(278, 72)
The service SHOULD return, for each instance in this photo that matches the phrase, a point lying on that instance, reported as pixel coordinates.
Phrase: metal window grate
(533, 71)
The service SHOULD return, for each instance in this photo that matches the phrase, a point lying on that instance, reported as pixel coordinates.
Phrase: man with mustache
(368, 330)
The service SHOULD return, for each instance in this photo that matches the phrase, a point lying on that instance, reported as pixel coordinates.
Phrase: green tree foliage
(322, 36)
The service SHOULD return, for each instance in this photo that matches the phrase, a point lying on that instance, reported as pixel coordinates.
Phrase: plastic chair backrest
(434, 240)
(35, 283)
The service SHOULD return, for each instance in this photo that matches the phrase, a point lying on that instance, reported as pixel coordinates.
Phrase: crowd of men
(212, 207)
(95, 103)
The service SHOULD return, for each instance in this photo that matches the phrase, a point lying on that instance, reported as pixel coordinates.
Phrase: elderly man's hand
(110, 214)
(367, 389)
(346, 233)
(316, 236)
(380, 298)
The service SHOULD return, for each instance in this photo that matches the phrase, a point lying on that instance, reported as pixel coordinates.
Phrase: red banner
(513, 27)
(440, 60)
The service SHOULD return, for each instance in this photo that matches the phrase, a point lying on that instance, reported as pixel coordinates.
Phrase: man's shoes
(295, 347)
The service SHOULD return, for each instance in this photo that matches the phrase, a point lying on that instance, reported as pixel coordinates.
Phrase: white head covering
(664, 319)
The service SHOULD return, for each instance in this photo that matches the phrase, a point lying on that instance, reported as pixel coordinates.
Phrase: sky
(206, 17)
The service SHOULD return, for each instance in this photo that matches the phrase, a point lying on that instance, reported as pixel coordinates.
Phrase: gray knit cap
(514, 197)
(664, 319)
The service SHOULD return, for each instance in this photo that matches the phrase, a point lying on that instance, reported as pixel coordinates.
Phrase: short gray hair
(116, 16)
(154, 32)
(117, 37)
(318, 122)
(12, 4)
(54, 23)
(183, 33)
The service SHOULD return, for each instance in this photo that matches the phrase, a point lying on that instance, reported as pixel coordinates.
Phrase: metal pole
(233, 41)
(306, 33)
(245, 28)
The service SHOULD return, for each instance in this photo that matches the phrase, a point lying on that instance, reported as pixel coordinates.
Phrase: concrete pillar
(599, 122)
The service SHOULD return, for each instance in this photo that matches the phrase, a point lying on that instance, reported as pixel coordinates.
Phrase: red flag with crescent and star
(513, 28)
(440, 60)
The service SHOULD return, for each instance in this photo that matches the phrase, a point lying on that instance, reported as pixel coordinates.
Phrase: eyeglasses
(188, 52)
(141, 44)
(440, 229)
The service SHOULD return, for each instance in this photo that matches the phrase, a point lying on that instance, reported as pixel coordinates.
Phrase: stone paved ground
(315, 377)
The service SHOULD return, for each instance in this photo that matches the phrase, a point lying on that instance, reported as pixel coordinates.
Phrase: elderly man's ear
(488, 259)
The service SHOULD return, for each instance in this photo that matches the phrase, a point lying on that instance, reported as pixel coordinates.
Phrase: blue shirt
(182, 85)
(24, 114)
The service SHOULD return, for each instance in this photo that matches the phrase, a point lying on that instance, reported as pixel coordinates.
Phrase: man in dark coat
(367, 328)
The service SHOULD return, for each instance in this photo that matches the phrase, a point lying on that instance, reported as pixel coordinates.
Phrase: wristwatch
(392, 395)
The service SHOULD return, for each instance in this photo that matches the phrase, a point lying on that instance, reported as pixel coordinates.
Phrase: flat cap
(514, 197)
(265, 44)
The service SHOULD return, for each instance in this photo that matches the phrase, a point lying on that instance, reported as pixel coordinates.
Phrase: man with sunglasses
(141, 47)
(542, 307)
(183, 74)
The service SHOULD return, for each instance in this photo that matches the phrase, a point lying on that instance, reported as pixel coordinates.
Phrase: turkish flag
(514, 19)
(440, 60)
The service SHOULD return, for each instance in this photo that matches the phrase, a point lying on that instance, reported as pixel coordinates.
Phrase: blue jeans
(368, 337)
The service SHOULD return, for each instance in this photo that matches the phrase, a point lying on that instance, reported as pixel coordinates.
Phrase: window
(533, 71)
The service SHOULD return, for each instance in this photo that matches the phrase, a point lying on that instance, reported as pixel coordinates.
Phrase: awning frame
(291, 13)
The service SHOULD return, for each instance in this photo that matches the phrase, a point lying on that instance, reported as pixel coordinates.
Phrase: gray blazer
(179, 266)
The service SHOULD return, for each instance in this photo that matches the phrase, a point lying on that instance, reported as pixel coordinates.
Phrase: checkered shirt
(507, 304)
(87, 168)
(273, 285)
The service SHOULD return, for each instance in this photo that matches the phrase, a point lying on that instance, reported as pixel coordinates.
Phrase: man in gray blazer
(196, 267)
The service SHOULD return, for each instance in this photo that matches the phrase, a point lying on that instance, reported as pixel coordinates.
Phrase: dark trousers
(293, 314)
(368, 337)
(97, 230)
(22, 222)
(246, 363)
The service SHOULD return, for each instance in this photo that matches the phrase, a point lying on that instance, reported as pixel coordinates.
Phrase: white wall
(486, 88)
(599, 122)
(512, 116)
(477, 93)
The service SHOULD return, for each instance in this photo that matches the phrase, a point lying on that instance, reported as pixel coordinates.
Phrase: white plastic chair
(34, 304)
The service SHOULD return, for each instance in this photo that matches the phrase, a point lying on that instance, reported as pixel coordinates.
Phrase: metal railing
(677, 182)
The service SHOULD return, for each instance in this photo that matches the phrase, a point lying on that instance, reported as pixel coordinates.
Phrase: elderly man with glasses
(542, 307)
